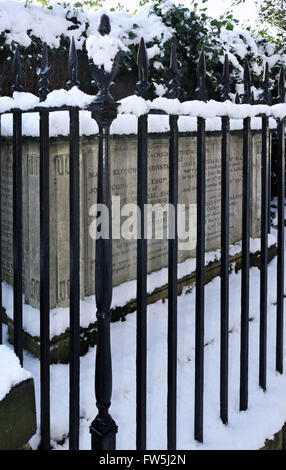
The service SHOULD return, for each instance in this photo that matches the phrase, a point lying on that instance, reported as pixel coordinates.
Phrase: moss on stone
(18, 416)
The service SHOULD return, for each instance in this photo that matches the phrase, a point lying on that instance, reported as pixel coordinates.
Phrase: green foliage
(193, 30)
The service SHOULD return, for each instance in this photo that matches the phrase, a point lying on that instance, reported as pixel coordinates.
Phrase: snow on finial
(104, 27)
(72, 66)
(103, 50)
(174, 73)
(281, 86)
(201, 77)
(143, 69)
(225, 79)
(17, 72)
(246, 82)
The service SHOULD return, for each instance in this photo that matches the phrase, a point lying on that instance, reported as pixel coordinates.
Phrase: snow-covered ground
(246, 430)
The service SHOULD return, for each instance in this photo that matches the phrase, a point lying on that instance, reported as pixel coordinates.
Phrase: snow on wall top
(11, 371)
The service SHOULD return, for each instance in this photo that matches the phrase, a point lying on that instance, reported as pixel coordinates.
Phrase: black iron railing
(104, 110)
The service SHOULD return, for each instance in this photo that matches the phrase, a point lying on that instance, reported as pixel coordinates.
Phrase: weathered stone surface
(124, 185)
(18, 416)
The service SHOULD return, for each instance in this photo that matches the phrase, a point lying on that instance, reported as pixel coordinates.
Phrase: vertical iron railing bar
(264, 252)
(244, 343)
(141, 330)
(1, 300)
(224, 298)
(280, 244)
(200, 257)
(264, 233)
(172, 286)
(174, 93)
(280, 234)
(74, 282)
(224, 269)
(44, 280)
(17, 215)
(74, 198)
(43, 73)
(17, 235)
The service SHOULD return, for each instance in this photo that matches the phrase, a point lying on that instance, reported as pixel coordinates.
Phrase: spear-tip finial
(72, 66)
(281, 86)
(247, 83)
(17, 70)
(143, 69)
(174, 73)
(43, 73)
(225, 79)
(266, 97)
(104, 27)
(201, 77)
(237, 99)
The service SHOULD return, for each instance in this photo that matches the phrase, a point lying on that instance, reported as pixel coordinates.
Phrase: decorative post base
(103, 435)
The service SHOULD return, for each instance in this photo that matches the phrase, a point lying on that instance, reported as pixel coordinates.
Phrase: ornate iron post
(104, 110)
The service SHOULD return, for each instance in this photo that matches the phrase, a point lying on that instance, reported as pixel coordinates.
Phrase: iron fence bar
(44, 280)
(265, 152)
(245, 268)
(1, 300)
(74, 283)
(281, 223)
(17, 215)
(269, 184)
(43, 73)
(200, 256)
(17, 235)
(224, 299)
(244, 339)
(141, 331)
(103, 429)
(174, 93)
(280, 243)
(200, 281)
(264, 252)
(172, 285)
(74, 195)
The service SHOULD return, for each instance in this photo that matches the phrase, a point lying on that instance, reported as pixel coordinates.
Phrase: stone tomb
(124, 184)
